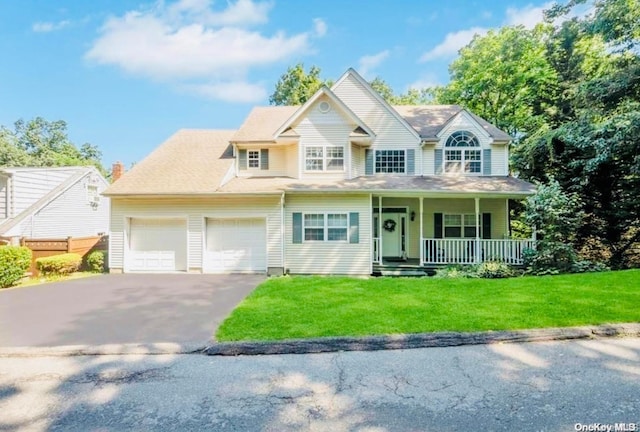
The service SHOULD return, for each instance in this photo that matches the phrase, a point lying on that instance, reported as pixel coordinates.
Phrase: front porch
(424, 233)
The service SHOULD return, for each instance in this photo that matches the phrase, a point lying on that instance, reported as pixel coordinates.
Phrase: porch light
(413, 216)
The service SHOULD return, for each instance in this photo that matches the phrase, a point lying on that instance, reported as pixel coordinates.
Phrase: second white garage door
(236, 245)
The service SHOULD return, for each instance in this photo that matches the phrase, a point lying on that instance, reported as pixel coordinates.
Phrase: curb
(110, 349)
(419, 340)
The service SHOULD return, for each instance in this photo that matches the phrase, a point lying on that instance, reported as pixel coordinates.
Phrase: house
(343, 184)
(52, 203)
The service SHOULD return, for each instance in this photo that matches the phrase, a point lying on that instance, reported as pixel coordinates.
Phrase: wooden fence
(48, 247)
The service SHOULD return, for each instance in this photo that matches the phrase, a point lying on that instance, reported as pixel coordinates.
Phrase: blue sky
(126, 74)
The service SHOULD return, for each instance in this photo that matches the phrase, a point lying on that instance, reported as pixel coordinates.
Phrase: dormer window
(253, 158)
(462, 153)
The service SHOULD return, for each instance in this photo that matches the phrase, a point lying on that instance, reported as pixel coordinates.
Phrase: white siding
(318, 129)
(357, 161)
(4, 195)
(499, 156)
(31, 185)
(291, 155)
(329, 257)
(499, 160)
(277, 162)
(390, 132)
(428, 160)
(69, 215)
(196, 211)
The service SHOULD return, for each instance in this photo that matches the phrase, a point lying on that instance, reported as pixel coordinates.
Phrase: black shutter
(437, 161)
(264, 159)
(486, 225)
(368, 162)
(411, 161)
(242, 160)
(437, 225)
(354, 227)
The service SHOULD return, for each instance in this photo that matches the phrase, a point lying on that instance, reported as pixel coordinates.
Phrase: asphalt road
(548, 386)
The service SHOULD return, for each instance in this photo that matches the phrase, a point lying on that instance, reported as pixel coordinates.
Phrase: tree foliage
(42, 143)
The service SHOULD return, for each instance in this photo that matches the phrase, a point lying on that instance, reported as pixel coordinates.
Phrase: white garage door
(236, 245)
(158, 245)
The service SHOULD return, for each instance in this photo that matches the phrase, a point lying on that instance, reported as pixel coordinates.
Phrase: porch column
(421, 233)
(478, 253)
(380, 227)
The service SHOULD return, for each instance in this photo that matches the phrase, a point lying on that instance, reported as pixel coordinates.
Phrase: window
(92, 194)
(462, 153)
(324, 158)
(253, 158)
(459, 226)
(390, 161)
(326, 227)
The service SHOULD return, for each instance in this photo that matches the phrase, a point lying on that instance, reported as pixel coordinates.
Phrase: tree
(503, 77)
(296, 85)
(42, 143)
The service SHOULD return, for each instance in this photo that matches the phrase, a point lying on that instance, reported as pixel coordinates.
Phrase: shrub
(455, 272)
(96, 261)
(59, 264)
(494, 270)
(14, 262)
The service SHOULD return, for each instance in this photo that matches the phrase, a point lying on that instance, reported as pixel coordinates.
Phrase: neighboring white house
(343, 184)
(52, 203)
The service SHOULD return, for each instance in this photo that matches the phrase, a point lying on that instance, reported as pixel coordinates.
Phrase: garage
(236, 245)
(158, 245)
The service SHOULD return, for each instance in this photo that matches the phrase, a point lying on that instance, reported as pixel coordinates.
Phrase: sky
(125, 75)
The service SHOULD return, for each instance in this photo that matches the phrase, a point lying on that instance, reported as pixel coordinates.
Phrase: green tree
(296, 85)
(42, 143)
(503, 77)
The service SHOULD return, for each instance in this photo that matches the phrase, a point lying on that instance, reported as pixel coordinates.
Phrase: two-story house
(340, 185)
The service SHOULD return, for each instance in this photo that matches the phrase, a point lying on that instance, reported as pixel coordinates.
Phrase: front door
(393, 234)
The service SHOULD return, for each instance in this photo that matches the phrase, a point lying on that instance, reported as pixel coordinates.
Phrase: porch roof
(463, 186)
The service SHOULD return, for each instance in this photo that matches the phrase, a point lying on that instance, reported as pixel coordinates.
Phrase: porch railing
(375, 250)
(463, 251)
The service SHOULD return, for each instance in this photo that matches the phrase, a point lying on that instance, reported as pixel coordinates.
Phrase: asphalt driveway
(120, 309)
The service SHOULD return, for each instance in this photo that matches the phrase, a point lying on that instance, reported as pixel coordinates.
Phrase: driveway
(119, 309)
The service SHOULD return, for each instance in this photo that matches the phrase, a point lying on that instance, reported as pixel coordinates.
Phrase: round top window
(324, 106)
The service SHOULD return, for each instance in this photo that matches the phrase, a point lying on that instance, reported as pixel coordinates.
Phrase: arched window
(462, 153)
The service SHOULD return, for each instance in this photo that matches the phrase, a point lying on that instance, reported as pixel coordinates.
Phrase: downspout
(282, 236)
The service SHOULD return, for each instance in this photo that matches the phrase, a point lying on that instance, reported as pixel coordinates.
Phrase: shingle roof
(428, 120)
(442, 184)
(189, 162)
(263, 122)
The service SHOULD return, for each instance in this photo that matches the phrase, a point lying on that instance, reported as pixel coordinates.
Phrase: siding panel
(328, 257)
(31, 185)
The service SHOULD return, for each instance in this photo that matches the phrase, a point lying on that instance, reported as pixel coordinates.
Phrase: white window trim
(462, 226)
(90, 197)
(325, 159)
(325, 226)
(375, 158)
(259, 159)
(462, 161)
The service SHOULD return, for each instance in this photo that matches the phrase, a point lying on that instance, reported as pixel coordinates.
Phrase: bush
(96, 261)
(59, 264)
(455, 272)
(14, 262)
(494, 270)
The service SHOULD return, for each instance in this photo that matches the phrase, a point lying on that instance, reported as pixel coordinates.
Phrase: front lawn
(303, 307)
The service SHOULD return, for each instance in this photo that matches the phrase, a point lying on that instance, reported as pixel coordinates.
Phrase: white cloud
(452, 44)
(46, 27)
(320, 27)
(187, 41)
(369, 62)
(238, 91)
(528, 16)
(428, 80)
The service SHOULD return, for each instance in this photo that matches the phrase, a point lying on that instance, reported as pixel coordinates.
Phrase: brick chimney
(117, 169)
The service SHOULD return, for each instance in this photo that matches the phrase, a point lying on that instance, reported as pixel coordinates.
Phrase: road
(531, 387)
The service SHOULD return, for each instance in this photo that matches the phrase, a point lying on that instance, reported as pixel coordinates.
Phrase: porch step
(403, 273)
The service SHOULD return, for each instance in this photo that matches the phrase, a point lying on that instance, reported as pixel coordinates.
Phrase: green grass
(303, 307)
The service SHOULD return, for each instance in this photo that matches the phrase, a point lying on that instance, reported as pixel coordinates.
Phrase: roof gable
(326, 91)
(351, 73)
